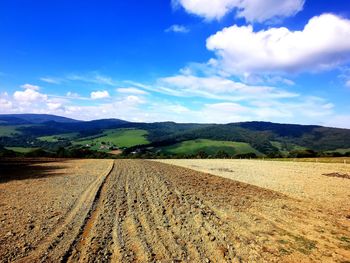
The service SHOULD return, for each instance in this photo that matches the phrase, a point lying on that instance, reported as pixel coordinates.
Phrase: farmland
(50, 133)
(9, 130)
(148, 211)
(22, 149)
(210, 147)
(57, 137)
(118, 137)
(301, 180)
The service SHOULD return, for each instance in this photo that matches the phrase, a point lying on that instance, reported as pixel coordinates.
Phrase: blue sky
(182, 60)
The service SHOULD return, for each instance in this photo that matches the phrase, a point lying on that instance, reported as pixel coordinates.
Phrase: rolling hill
(15, 119)
(50, 133)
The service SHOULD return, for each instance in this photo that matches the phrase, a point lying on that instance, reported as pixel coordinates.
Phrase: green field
(58, 137)
(341, 150)
(211, 147)
(119, 137)
(9, 131)
(285, 149)
(21, 149)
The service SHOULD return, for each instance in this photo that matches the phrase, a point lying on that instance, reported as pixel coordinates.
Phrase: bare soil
(305, 181)
(143, 211)
(41, 199)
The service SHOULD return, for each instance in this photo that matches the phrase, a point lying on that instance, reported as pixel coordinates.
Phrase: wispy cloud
(51, 80)
(177, 29)
(95, 78)
(132, 90)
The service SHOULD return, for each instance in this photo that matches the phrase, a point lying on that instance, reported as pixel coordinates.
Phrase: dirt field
(305, 181)
(145, 211)
(41, 199)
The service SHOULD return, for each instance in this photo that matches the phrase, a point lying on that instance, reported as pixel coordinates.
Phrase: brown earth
(146, 211)
(305, 181)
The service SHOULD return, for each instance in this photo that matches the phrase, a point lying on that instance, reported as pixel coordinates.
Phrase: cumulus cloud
(322, 44)
(132, 90)
(262, 10)
(52, 106)
(29, 96)
(30, 86)
(251, 10)
(103, 94)
(5, 104)
(177, 29)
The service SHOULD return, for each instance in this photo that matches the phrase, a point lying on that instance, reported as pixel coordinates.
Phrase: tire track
(54, 247)
(84, 239)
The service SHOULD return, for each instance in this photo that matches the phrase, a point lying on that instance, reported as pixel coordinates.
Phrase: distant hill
(15, 119)
(50, 132)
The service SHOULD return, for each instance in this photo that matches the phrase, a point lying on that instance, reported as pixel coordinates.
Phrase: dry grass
(300, 180)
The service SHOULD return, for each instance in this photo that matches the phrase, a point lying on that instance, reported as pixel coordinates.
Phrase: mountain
(261, 138)
(16, 119)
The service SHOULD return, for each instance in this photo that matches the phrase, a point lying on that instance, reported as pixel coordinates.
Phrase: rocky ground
(144, 211)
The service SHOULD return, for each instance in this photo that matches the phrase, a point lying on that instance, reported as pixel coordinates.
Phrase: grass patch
(341, 150)
(285, 148)
(345, 239)
(119, 137)
(9, 131)
(211, 147)
(21, 149)
(58, 137)
(305, 245)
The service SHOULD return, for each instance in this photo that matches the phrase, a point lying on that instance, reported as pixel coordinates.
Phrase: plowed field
(143, 211)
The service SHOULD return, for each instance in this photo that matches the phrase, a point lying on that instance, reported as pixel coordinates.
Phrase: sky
(202, 61)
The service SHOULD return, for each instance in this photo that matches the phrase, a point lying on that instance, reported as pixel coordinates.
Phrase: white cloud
(262, 10)
(51, 80)
(340, 120)
(30, 86)
(52, 106)
(132, 90)
(177, 29)
(217, 88)
(5, 104)
(322, 44)
(103, 94)
(29, 96)
(251, 10)
(94, 78)
(70, 94)
(134, 99)
(223, 109)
